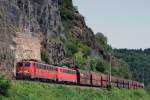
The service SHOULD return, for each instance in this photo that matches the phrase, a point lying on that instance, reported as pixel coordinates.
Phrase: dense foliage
(24, 90)
(4, 86)
(139, 63)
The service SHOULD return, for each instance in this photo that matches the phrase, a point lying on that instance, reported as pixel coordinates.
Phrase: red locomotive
(35, 70)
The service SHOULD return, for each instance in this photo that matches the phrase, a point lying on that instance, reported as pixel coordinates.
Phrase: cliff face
(82, 32)
(40, 18)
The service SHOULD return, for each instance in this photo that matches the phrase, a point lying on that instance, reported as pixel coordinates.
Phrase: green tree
(101, 42)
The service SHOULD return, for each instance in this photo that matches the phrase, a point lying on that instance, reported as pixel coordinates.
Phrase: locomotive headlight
(26, 71)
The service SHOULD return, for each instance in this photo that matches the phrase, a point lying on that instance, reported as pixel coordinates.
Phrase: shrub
(85, 49)
(4, 86)
(71, 44)
(71, 48)
(92, 63)
(80, 60)
(45, 57)
(96, 63)
(101, 65)
(109, 87)
(66, 10)
(101, 42)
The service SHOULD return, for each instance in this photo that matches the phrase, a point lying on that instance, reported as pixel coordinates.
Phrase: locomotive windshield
(23, 64)
(19, 64)
(26, 64)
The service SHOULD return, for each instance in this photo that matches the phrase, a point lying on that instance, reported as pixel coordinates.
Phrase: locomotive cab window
(27, 64)
(19, 64)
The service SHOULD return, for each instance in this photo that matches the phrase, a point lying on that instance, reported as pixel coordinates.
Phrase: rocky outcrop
(74, 24)
(82, 32)
(40, 18)
(7, 33)
(6, 52)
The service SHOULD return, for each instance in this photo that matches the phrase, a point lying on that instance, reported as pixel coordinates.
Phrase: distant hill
(138, 61)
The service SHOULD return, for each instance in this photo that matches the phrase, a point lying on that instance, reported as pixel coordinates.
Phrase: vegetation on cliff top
(24, 90)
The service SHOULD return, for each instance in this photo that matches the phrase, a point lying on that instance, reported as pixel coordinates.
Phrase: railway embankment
(25, 90)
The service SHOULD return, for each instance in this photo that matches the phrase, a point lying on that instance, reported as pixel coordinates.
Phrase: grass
(25, 90)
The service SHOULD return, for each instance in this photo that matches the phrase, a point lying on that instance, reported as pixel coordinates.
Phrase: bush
(4, 86)
(71, 44)
(85, 50)
(80, 60)
(71, 49)
(96, 64)
(45, 57)
(101, 65)
(101, 42)
(66, 10)
(109, 87)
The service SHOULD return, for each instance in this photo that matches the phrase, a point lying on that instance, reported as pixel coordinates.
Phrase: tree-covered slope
(24, 90)
(84, 48)
(138, 61)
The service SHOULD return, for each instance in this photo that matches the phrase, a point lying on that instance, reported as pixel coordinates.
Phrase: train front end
(24, 70)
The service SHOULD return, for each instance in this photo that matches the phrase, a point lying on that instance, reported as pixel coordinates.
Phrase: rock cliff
(40, 18)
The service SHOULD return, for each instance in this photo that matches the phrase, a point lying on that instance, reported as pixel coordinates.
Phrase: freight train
(30, 69)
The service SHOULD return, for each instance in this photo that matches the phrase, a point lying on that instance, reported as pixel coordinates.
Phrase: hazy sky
(126, 23)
